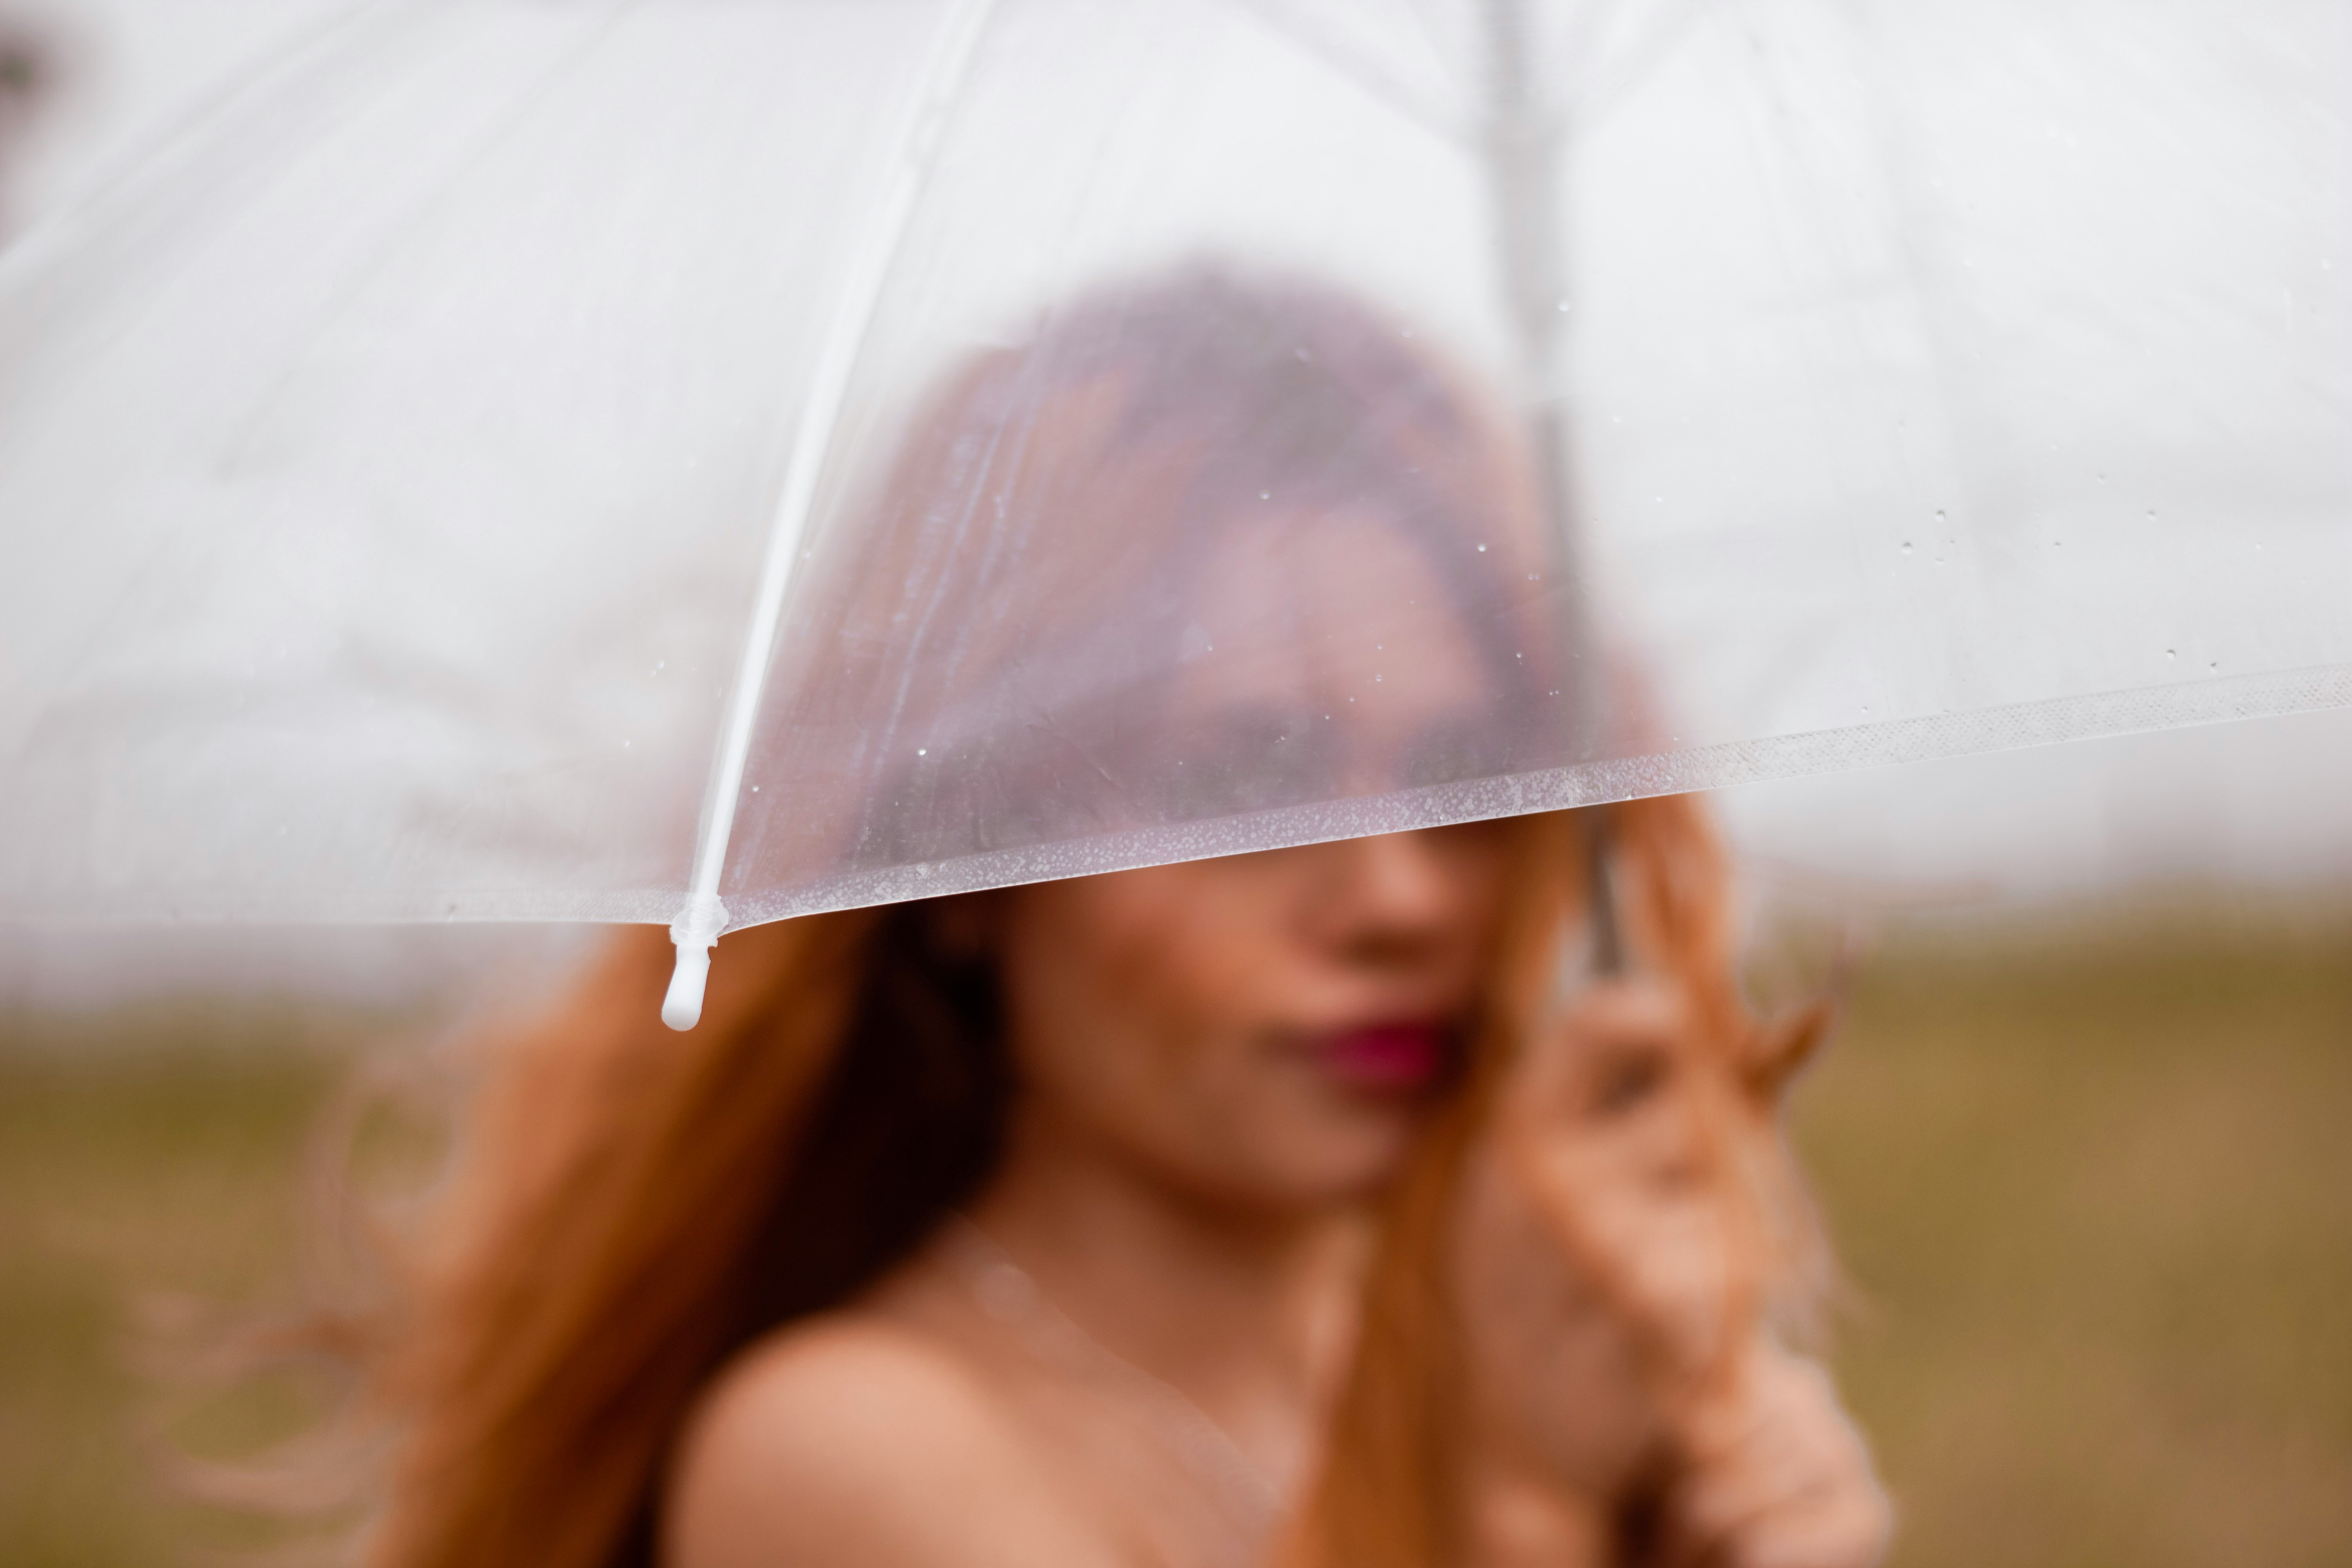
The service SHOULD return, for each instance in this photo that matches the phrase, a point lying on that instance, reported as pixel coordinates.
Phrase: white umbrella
(431, 487)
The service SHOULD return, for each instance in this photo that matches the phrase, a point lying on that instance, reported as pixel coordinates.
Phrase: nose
(1394, 900)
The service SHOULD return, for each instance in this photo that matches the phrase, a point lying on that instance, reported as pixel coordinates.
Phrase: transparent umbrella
(702, 462)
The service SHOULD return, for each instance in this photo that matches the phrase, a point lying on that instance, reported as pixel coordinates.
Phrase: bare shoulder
(853, 1439)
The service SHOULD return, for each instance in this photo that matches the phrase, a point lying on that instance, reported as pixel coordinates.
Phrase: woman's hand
(1616, 1248)
(1770, 1473)
(1591, 1264)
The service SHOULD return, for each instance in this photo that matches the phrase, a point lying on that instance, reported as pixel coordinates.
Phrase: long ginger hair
(1391, 1492)
(633, 1206)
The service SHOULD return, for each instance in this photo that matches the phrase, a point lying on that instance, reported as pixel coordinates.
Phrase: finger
(1826, 1514)
(1662, 1264)
(1777, 1474)
(1849, 1532)
(1777, 1398)
(1779, 1482)
(1613, 1014)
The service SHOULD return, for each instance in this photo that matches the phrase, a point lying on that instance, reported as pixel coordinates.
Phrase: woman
(1269, 1209)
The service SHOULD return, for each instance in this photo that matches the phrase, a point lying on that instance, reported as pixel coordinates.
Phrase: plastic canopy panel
(705, 461)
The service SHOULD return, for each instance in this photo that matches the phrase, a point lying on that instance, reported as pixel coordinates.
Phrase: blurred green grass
(153, 1198)
(2092, 1183)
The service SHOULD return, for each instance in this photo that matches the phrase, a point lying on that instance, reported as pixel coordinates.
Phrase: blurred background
(2078, 1140)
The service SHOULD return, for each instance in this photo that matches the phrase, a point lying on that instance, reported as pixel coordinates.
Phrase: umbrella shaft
(1522, 156)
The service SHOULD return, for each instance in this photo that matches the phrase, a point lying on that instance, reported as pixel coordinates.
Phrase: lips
(1389, 1058)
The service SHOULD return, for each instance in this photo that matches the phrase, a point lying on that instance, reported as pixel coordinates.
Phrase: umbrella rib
(699, 924)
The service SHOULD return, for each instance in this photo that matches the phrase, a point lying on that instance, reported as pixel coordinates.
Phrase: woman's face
(1270, 1029)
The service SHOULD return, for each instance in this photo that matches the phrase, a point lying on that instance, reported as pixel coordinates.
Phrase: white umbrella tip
(695, 930)
(682, 1007)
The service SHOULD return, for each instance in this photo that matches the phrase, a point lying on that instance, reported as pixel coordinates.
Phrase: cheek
(1124, 995)
(1181, 949)
(1145, 1013)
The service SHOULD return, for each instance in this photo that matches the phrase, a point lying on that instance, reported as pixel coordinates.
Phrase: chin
(1343, 1165)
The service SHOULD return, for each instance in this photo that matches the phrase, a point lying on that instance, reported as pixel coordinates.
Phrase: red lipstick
(1392, 1057)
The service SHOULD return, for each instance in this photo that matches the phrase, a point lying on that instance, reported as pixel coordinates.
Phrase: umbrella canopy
(705, 461)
